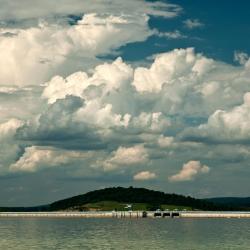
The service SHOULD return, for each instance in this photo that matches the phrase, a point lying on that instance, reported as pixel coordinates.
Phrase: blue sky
(96, 94)
(225, 30)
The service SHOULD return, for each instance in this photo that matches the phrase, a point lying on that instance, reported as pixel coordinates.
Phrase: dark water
(185, 234)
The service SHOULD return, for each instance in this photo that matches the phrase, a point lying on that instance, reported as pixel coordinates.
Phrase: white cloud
(232, 125)
(165, 141)
(35, 54)
(106, 94)
(102, 117)
(114, 106)
(36, 158)
(124, 118)
(37, 43)
(189, 171)
(144, 175)
(113, 76)
(209, 88)
(193, 23)
(29, 9)
(117, 99)
(188, 83)
(241, 57)
(172, 34)
(169, 67)
(126, 157)
(153, 122)
(9, 128)
(178, 82)
(9, 148)
(8, 90)
(128, 116)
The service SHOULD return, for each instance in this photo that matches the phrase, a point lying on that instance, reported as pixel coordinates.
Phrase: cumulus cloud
(36, 158)
(129, 116)
(8, 90)
(9, 148)
(33, 9)
(62, 96)
(48, 44)
(186, 82)
(117, 98)
(169, 67)
(225, 126)
(112, 76)
(126, 156)
(241, 57)
(193, 23)
(8, 129)
(35, 54)
(176, 34)
(189, 171)
(117, 104)
(144, 175)
(56, 127)
(165, 141)
(106, 94)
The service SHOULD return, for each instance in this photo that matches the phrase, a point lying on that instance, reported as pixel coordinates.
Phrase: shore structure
(127, 214)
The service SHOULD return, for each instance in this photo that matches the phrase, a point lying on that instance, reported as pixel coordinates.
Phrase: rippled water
(185, 234)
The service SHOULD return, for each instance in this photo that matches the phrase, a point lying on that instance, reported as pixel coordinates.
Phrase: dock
(127, 214)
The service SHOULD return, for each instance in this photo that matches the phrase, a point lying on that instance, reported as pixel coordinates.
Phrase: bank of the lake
(128, 214)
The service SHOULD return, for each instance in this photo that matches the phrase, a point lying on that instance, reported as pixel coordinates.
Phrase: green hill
(151, 199)
(118, 197)
(242, 203)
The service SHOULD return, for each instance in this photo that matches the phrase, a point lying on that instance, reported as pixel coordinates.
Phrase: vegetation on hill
(122, 206)
(240, 203)
(132, 195)
(118, 197)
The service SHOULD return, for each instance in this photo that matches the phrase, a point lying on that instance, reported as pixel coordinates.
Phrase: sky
(105, 93)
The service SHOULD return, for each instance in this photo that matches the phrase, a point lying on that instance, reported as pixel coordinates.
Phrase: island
(135, 199)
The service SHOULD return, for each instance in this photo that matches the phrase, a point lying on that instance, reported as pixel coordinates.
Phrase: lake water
(185, 234)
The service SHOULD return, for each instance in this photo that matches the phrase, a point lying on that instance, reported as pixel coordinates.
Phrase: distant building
(128, 206)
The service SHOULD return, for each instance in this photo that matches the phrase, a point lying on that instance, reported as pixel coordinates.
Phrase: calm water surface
(185, 234)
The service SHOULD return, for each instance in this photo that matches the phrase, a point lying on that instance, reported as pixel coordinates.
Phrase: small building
(129, 207)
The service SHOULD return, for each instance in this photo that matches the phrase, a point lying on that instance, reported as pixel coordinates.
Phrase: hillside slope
(134, 195)
(236, 202)
(116, 197)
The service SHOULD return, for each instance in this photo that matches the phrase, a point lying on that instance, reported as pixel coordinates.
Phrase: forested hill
(240, 202)
(150, 198)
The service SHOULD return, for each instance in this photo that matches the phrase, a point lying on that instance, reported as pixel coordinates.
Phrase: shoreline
(127, 214)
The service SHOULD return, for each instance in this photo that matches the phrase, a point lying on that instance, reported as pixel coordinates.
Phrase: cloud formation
(241, 57)
(34, 9)
(226, 126)
(193, 24)
(144, 176)
(189, 171)
(133, 115)
(176, 34)
(36, 158)
(51, 48)
(94, 90)
(9, 148)
(126, 156)
(8, 129)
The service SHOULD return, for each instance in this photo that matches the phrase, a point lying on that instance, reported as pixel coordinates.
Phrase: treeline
(128, 195)
(136, 195)
(243, 203)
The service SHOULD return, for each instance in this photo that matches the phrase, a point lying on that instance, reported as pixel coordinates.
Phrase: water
(153, 234)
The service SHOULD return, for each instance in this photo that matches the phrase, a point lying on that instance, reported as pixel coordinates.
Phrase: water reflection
(191, 234)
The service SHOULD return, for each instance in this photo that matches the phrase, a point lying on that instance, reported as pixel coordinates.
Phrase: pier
(127, 214)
